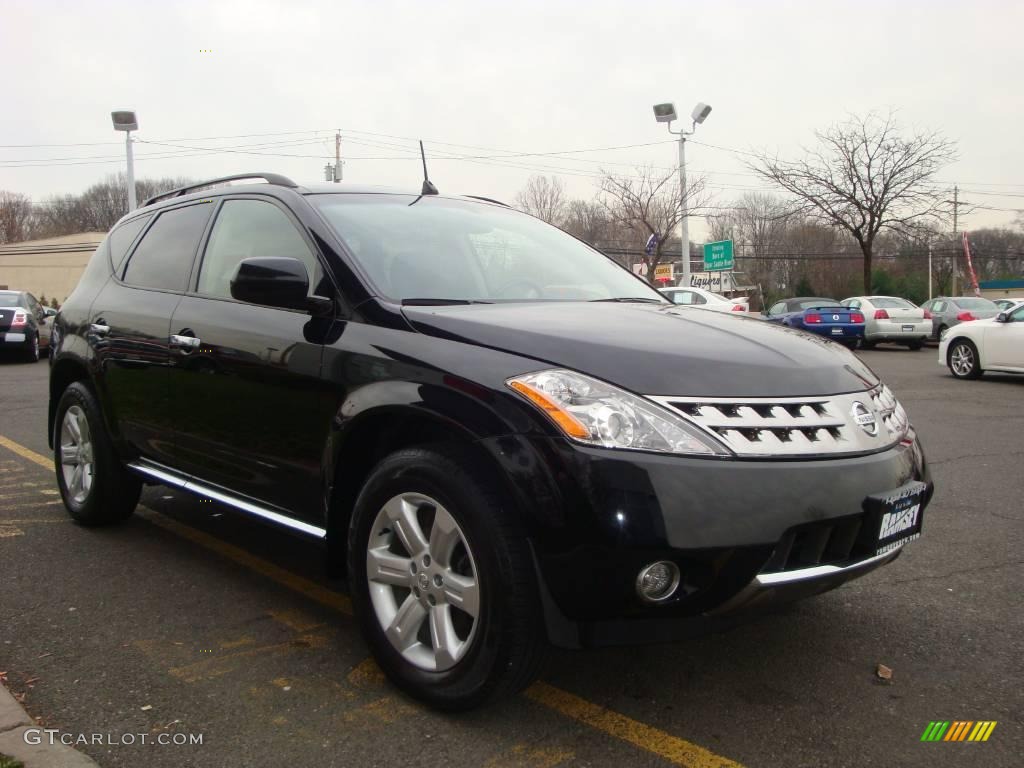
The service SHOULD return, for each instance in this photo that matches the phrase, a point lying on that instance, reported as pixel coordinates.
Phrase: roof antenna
(428, 185)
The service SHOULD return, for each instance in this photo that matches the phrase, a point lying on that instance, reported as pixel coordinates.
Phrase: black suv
(507, 438)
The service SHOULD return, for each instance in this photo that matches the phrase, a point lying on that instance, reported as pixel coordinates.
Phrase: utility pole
(337, 157)
(684, 213)
(956, 229)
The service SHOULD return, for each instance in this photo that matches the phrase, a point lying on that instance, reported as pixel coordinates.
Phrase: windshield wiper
(633, 300)
(439, 302)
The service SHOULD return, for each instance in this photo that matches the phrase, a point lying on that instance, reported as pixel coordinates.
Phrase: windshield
(971, 303)
(10, 299)
(437, 248)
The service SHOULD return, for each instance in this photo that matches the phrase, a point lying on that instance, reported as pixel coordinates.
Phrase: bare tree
(15, 217)
(587, 220)
(866, 177)
(543, 198)
(648, 203)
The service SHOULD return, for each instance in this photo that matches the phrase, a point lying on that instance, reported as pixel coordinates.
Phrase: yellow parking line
(672, 748)
(26, 453)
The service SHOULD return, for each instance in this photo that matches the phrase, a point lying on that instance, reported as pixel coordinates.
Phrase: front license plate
(898, 515)
(837, 331)
(908, 328)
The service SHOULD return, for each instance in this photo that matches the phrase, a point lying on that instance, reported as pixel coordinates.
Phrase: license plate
(908, 327)
(837, 331)
(897, 515)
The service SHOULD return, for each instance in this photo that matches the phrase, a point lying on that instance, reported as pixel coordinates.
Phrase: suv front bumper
(745, 534)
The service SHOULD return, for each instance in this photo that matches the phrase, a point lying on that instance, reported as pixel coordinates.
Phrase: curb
(14, 722)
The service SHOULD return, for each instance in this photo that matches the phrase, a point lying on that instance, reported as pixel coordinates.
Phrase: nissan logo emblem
(864, 418)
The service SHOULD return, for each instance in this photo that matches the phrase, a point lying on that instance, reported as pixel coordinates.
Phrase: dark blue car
(825, 317)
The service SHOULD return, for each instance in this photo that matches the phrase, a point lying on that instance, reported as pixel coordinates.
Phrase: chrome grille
(797, 426)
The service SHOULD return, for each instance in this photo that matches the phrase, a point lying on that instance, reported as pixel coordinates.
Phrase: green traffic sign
(718, 256)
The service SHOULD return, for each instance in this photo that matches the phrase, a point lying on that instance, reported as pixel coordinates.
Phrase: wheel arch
(65, 372)
(357, 444)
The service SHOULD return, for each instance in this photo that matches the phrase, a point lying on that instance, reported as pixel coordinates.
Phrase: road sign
(718, 256)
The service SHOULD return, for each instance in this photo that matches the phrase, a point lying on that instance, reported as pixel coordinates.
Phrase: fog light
(657, 581)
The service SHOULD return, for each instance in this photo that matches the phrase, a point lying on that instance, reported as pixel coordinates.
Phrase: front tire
(94, 485)
(442, 580)
(963, 360)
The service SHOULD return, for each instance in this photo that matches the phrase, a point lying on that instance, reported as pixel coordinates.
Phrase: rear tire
(32, 348)
(939, 331)
(868, 344)
(915, 345)
(963, 360)
(438, 500)
(94, 485)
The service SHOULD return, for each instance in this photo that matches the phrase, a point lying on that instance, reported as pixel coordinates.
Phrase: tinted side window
(121, 239)
(249, 229)
(163, 259)
(777, 309)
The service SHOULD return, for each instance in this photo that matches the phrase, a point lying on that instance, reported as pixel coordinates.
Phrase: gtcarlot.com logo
(53, 736)
(958, 730)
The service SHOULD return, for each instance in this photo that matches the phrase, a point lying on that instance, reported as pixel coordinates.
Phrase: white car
(890, 318)
(1006, 303)
(996, 344)
(698, 297)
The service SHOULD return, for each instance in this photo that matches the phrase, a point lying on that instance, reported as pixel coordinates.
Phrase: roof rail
(270, 178)
(488, 200)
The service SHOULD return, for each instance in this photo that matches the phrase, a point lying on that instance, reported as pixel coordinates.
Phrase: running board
(174, 480)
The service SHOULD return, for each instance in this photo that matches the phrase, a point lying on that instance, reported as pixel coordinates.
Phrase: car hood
(656, 350)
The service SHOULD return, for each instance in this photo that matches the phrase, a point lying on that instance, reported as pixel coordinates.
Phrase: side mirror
(1003, 317)
(49, 312)
(272, 282)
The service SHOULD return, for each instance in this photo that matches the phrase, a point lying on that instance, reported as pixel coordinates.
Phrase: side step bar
(174, 480)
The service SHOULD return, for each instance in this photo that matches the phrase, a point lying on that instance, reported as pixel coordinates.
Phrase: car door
(1004, 342)
(129, 324)
(246, 378)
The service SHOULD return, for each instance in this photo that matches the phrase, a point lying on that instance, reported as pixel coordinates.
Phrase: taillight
(965, 316)
(736, 308)
(812, 318)
(20, 318)
(881, 314)
(856, 317)
(927, 315)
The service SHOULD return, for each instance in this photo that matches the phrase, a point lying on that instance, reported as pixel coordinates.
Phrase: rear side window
(163, 259)
(122, 237)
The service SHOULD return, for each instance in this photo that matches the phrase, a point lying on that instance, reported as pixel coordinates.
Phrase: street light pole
(666, 113)
(683, 212)
(131, 171)
(125, 120)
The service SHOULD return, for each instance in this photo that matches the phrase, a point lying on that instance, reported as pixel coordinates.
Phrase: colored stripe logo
(958, 730)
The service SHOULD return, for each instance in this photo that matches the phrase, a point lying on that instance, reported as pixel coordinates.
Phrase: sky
(226, 87)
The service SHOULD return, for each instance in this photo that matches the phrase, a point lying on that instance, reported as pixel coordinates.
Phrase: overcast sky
(492, 78)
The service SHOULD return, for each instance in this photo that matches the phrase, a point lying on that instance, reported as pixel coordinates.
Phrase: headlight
(597, 413)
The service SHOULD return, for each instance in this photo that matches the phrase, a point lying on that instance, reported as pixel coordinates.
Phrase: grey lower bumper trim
(193, 486)
(769, 587)
(821, 571)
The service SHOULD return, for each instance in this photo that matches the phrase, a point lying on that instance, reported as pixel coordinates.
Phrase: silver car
(947, 311)
(890, 318)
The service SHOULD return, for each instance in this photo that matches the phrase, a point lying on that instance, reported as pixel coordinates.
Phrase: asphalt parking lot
(190, 619)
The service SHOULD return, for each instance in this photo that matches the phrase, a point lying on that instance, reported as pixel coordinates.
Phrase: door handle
(184, 343)
(99, 329)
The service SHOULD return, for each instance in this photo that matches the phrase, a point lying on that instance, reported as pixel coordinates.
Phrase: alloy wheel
(423, 582)
(962, 360)
(76, 454)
